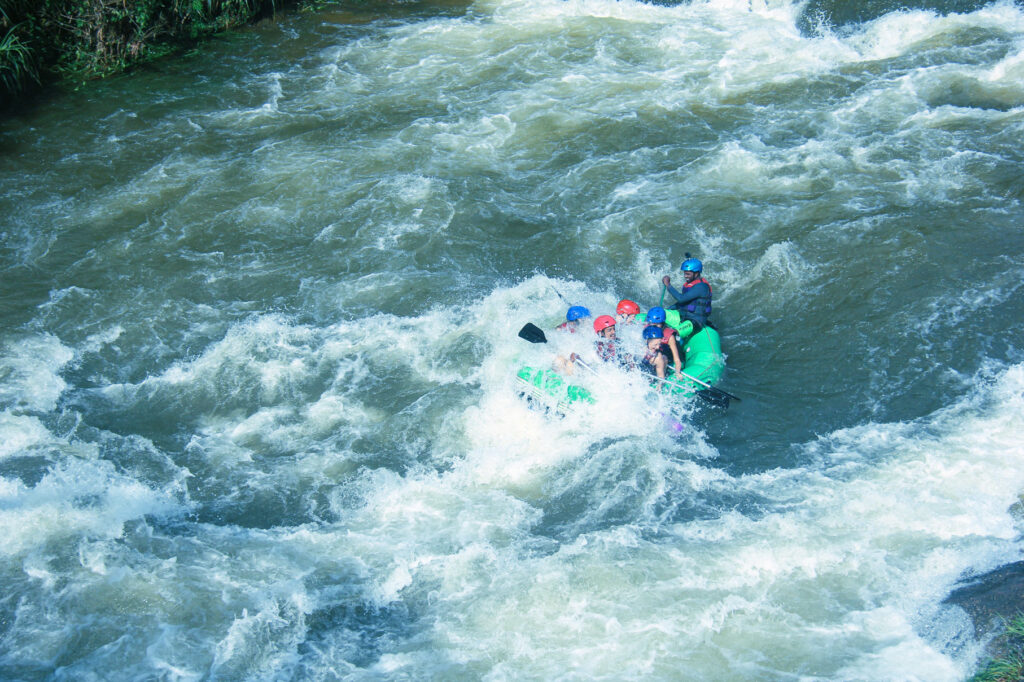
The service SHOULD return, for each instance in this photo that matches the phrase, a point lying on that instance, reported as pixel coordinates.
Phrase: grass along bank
(1008, 666)
(71, 41)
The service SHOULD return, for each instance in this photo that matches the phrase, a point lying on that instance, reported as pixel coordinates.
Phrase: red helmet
(627, 307)
(603, 322)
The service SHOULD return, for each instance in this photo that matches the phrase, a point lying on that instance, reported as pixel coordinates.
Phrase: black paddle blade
(713, 397)
(532, 333)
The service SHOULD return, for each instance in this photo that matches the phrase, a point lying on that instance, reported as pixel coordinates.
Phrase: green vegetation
(70, 41)
(17, 65)
(1009, 667)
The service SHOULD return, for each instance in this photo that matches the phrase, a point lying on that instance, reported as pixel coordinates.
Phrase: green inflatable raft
(702, 356)
(702, 362)
(549, 390)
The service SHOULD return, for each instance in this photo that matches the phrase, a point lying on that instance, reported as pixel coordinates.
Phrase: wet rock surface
(992, 599)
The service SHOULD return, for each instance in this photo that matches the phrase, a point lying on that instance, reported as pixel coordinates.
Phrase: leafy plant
(17, 64)
(77, 40)
(1010, 666)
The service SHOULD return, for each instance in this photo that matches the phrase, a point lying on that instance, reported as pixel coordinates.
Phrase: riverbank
(68, 42)
(995, 604)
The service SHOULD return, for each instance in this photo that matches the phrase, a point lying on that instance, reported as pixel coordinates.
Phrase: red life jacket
(695, 280)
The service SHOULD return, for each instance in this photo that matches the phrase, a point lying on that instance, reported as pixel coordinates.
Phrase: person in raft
(604, 327)
(656, 359)
(694, 301)
(572, 319)
(656, 318)
(626, 311)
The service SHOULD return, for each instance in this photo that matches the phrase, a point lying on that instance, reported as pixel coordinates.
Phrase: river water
(258, 321)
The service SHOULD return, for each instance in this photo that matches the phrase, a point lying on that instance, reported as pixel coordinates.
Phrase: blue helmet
(576, 312)
(691, 265)
(652, 332)
(656, 315)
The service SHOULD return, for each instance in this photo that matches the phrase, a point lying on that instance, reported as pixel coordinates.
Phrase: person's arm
(659, 365)
(676, 360)
(697, 291)
(565, 365)
(671, 289)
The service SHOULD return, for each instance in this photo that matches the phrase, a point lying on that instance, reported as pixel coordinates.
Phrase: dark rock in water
(992, 599)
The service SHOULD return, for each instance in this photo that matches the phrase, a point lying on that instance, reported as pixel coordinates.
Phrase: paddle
(532, 333)
(535, 334)
(564, 299)
(714, 391)
(585, 366)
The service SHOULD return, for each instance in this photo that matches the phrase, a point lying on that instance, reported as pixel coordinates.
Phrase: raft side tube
(703, 361)
(550, 389)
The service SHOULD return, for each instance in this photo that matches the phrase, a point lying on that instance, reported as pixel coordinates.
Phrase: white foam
(896, 524)
(896, 33)
(19, 434)
(510, 543)
(31, 368)
(75, 498)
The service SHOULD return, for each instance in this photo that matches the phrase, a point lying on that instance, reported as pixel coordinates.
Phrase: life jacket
(606, 350)
(699, 309)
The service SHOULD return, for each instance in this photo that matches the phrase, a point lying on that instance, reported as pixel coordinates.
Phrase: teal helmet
(656, 315)
(691, 265)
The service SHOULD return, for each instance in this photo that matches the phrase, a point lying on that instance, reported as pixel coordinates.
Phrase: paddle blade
(714, 397)
(532, 333)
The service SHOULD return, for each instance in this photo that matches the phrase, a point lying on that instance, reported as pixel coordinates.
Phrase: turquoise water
(259, 314)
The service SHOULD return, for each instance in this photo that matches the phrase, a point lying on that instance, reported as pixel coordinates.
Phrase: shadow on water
(356, 631)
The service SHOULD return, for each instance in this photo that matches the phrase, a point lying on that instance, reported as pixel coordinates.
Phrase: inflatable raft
(703, 363)
(548, 390)
(702, 356)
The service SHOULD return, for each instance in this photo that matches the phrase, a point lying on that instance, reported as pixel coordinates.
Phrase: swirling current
(260, 304)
